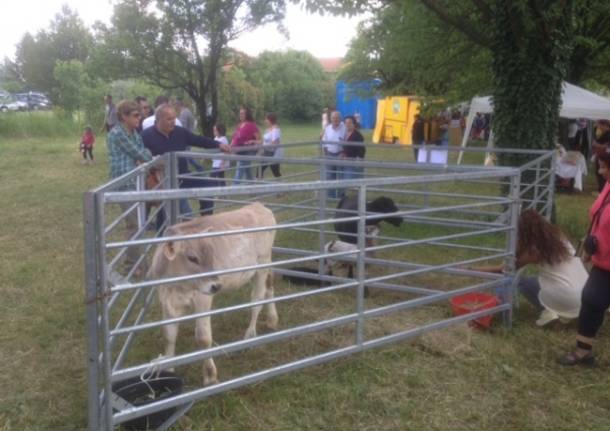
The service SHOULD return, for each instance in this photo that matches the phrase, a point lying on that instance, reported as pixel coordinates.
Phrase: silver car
(10, 104)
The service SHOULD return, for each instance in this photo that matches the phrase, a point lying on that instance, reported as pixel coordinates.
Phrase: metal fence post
(91, 301)
(173, 184)
(508, 294)
(360, 264)
(141, 210)
(551, 187)
(537, 201)
(322, 216)
(107, 422)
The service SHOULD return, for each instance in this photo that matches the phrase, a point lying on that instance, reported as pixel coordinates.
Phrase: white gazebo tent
(576, 103)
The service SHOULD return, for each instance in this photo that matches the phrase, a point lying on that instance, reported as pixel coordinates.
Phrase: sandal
(572, 359)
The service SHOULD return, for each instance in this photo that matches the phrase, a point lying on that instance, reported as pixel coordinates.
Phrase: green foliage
(70, 78)
(66, 39)
(38, 124)
(236, 91)
(531, 52)
(9, 78)
(413, 52)
(293, 84)
(180, 44)
(77, 92)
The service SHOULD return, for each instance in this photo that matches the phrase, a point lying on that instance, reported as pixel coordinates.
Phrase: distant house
(331, 65)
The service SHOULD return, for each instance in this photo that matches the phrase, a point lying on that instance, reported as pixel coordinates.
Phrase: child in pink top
(86, 145)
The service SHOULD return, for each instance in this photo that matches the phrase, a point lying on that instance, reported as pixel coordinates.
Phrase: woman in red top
(86, 145)
(246, 134)
(596, 293)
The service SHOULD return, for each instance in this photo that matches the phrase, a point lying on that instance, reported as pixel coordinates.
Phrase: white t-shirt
(561, 285)
(333, 135)
(150, 121)
(220, 163)
(271, 135)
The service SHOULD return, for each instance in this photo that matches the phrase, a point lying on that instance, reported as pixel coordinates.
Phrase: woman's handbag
(588, 245)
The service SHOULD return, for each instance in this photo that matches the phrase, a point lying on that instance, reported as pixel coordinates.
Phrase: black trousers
(595, 302)
(88, 151)
(220, 174)
(275, 169)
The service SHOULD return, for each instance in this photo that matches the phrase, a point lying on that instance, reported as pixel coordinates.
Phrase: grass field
(448, 380)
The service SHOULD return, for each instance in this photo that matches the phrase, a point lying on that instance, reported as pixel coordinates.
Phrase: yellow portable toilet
(395, 117)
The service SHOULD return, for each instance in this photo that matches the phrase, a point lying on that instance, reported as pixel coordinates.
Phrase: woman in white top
(271, 145)
(558, 288)
(219, 166)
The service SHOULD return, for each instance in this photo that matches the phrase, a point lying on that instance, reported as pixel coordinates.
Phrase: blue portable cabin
(358, 98)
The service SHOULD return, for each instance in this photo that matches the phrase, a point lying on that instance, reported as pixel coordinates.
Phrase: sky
(322, 36)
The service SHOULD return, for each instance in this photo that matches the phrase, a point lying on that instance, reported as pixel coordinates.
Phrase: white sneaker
(547, 316)
(115, 278)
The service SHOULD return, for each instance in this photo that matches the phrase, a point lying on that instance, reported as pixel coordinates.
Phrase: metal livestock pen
(453, 217)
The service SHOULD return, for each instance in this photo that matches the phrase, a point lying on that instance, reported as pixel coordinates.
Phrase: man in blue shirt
(165, 136)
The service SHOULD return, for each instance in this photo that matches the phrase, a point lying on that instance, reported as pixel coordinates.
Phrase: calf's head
(186, 257)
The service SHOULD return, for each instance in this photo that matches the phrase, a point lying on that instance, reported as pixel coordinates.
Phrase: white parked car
(10, 104)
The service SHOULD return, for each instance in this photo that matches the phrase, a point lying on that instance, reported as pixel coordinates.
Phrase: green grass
(448, 380)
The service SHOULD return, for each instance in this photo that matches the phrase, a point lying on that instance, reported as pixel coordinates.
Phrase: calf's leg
(203, 336)
(258, 293)
(170, 332)
(270, 309)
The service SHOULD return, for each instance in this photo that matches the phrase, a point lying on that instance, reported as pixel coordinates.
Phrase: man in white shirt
(333, 134)
(150, 121)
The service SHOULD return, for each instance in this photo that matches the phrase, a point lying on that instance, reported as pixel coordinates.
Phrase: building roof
(331, 65)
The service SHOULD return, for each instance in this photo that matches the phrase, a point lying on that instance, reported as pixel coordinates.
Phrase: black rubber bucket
(139, 393)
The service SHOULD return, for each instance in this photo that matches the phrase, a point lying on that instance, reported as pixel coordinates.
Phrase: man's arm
(205, 142)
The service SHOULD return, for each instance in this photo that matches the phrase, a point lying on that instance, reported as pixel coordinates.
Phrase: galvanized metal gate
(469, 213)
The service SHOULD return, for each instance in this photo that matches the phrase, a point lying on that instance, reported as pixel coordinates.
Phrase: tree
(70, 77)
(413, 52)
(235, 91)
(180, 44)
(66, 39)
(293, 83)
(532, 46)
(459, 54)
(9, 77)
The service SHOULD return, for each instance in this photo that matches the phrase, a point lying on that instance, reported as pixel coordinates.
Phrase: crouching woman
(556, 291)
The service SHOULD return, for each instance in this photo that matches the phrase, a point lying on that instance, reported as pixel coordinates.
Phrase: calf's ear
(170, 250)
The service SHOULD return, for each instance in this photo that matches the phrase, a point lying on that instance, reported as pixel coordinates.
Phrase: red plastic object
(471, 302)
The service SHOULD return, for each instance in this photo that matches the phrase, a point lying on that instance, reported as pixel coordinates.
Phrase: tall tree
(531, 44)
(413, 52)
(66, 39)
(179, 44)
(404, 40)
(293, 83)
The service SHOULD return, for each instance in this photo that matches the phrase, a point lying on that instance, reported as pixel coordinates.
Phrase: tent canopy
(576, 102)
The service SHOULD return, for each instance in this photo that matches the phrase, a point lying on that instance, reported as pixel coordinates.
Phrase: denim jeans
(530, 288)
(333, 172)
(350, 173)
(244, 171)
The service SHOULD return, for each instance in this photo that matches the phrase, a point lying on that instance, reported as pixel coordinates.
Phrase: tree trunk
(530, 61)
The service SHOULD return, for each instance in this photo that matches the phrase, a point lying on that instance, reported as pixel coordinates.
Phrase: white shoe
(547, 316)
(115, 278)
